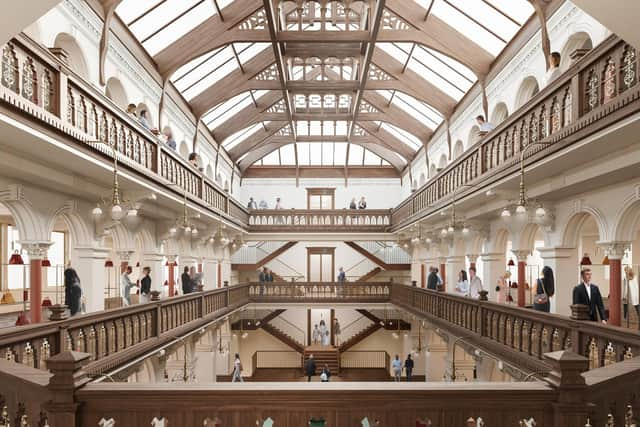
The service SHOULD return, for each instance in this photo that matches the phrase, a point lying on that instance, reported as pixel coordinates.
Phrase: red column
(422, 274)
(219, 274)
(615, 291)
(521, 280)
(199, 267)
(443, 275)
(35, 286)
(172, 265)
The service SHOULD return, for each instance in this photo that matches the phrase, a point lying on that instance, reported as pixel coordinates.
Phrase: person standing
(72, 291)
(185, 280)
(269, 275)
(145, 285)
(262, 278)
(237, 370)
(630, 294)
(252, 204)
(315, 334)
(396, 367)
(432, 280)
(279, 203)
(310, 367)
(263, 204)
(341, 276)
(325, 374)
(475, 284)
(336, 332)
(363, 203)
(462, 287)
(586, 293)
(544, 290)
(554, 67)
(195, 280)
(408, 367)
(353, 204)
(125, 285)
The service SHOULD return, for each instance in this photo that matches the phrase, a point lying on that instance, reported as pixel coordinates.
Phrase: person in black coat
(408, 367)
(586, 293)
(544, 290)
(72, 291)
(187, 286)
(145, 285)
(432, 280)
(310, 367)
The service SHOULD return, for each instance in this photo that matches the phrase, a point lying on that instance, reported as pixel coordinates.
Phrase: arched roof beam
(255, 139)
(252, 113)
(386, 139)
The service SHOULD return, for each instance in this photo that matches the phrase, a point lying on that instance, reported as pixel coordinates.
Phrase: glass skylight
(404, 136)
(241, 135)
(225, 111)
(428, 115)
(322, 154)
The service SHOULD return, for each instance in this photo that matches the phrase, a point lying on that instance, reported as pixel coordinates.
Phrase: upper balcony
(319, 220)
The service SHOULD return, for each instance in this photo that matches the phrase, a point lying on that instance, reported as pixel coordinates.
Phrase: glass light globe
(132, 212)
(450, 229)
(97, 211)
(444, 231)
(116, 212)
(187, 229)
(521, 209)
(428, 240)
(465, 230)
(505, 213)
(173, 230)
(194, 231)
(540, 211)
(211, 239)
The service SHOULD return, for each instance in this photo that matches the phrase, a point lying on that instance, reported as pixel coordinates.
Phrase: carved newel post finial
(68, 376)
(484, 295)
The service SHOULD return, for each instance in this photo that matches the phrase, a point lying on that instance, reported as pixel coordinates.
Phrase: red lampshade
(46, 262)
(16, 259)
(138, 264)
(46, 302)
(108, 263)
(22, 320)
(585, 260)
(511, 263)
(605, 261)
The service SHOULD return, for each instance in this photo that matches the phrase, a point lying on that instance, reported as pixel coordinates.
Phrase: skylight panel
(519, 10)
(272, 159)
(288, 155)
(327, 153)
(340, 154)
(240, 136)
(247, 53)
(371, 159)
(207, 74)
(355, 155)
(303, 153)
(129, 10)
(402, 135)
(226, 110)
(428, 115)
(315, 154)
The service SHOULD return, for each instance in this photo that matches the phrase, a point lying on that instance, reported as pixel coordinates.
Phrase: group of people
(397, 367)
(362, 204)
(321, 335)
(470, 286)
(190, 280)
(310, 370)
(263, 204)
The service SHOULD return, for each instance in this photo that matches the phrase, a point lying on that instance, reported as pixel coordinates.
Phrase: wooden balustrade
(277, 359)
(319, 292)
(592, 94)
(114, 336)
(347, 220)
(364, 359)
(37, 83)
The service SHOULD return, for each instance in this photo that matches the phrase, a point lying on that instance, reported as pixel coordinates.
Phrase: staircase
(324, 355)
(370, 275)
(282, 336)
(360, 336)
(376, 260)
(273, 255)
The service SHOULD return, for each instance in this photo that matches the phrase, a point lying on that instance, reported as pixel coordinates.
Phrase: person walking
(252, 204)
(586, 293)
(544, 290)
(325, 374)
(315, 334)
(408, 367)
(336, 333)
(125, 285)
(475, 284)
(72, 291)
(432, 280)
(396, 367)
(185, 280)
(262, 278)
(145, 286)
(310, 367)
(462, 287)
(237, 370)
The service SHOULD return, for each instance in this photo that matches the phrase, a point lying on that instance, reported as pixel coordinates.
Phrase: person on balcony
(145, 285)
(544, 290)
(237, 370)
(396, 367)
(310, 367)
(125, 285)
(462, 287)
(342, 277)
(131, 111)
(408, 367)
(185, 280)
(325, 374)
(263, 204)
(586, 293)
(278, 203)
(362, 204)
(630, 293)
(475, 284)
(168, 138)
(72, 291)
(432, 280)
(353, 204)
(144, 120)
(485, 126)
(336, 332)
(252, 204)
(262, 278)
(193, 161)
(196, 279)
(554, 67)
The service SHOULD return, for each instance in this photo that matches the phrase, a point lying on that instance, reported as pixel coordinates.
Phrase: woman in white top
(462, 287)
(630, 292)
(237, 370)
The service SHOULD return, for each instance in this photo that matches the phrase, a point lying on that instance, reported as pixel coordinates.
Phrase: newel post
(68, 376)
(570, 410)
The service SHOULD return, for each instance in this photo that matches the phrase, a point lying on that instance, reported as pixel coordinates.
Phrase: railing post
(570, 410)
(158, 320)
(67, 378)
(63, 87)
(577, 96)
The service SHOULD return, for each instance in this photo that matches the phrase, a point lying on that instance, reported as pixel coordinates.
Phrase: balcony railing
(39, 84)
(320, 220)
(320, 292)
(601, 88)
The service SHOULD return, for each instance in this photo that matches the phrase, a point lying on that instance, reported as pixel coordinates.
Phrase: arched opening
(500, 112)
(209, 171)
(414, 185)
(75, 57)
(115, 92)
(577, 45)
(442, 163)
(432, 170)
(423, 179)
(184, 149)
(474, 135)
(458, 149)
(528, 89)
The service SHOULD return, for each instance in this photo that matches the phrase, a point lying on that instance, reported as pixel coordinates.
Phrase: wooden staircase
(273, 255)
(360, 336)
(356, 247)
(370, 275)
(285, 338)
(324, 355)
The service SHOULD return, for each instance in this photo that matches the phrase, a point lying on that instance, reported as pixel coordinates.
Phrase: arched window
(500, 112)
(75, 57)
(528, 89)
(115, 92)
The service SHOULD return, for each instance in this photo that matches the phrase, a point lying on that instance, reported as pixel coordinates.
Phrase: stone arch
(458, 149)
(527, 90)
(76, 58)
(573, 227)
(442, 163)
(475, 243)
(474, 135)
(80, 230)
(627, 220)
(209, 171)
(184, 149)
(499, 242)
(578, 40)
(527, 237)
(32, 224)
(123, 239)
(432, 170)
(423, 179)
(146, 239)
(500, 113)
(115, 91)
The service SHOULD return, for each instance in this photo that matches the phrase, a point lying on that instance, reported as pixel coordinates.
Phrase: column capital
(172, 258)
(455, 258)
(124, 255)
(36, 250)
(614, 250)
(521, 254)
(473, 257)
(556, 252)
(92, 252)
(152, 256)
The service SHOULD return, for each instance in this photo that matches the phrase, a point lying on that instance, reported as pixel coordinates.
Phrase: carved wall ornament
(629, 67)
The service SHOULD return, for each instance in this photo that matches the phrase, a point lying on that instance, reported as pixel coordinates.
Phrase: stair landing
(324, 354)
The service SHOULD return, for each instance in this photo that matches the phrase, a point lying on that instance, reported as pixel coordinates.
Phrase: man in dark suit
(310, 367)
(588, 294)
(432, 280)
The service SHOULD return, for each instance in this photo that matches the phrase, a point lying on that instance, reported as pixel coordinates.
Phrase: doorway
(320, 264)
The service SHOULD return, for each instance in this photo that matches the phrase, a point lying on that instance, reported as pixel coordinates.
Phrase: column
(124, 257)
(209, 271)
(615, 252)
(443, 273)
(493, 266)
(171, 262)
(521, 255)
(563, 262)
(36, 251)
(93, 277)
(154, 262)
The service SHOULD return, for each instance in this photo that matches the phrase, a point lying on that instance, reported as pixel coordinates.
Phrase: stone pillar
(563, 262)
(454, 265)
(209, 270)
(225, 270)
(171, 261)
(36, 251)
(615, 252)
(92, 273)
(522, 264)
(473, 258)
(67, 378)
(443, 273)
(124, 257)
(154, 262)
(493, 266)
